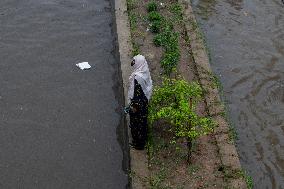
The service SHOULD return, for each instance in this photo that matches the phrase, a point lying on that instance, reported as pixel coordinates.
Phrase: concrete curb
(227, 150)
(138, 159)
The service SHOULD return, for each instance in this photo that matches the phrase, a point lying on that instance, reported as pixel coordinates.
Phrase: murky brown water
(246, 40)
(60, 127)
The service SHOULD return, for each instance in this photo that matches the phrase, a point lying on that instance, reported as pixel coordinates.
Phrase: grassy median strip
(182, 152)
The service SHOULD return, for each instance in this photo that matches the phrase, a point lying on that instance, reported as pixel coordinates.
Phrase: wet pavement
(60, 127)
(246, 41)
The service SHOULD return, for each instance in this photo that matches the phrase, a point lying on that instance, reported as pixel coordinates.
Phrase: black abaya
(138, 119)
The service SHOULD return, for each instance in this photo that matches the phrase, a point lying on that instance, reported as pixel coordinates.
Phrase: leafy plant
(152, 6)
(249, 181)
(158, 40)
(154, 16)
(155, 26)
(176, 9)
(132, 20)
(169, 40)
(175, 102)
(170, 60)
(131, 4)
(136, 49)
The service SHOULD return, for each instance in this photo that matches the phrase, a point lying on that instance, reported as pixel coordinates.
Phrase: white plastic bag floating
(83, 65)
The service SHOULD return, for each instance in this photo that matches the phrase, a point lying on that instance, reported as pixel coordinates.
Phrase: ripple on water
(246, 39)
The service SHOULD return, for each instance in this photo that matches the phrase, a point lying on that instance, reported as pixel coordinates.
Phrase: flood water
(246, 41)
(60, 127)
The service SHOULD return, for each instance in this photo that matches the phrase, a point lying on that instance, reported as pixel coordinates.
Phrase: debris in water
(83, 65)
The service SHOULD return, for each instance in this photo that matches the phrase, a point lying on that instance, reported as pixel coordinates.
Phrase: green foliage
(154, 16)
(156, 181)
(248, 179)
(155, 26)
(136, 49)
(170, 102)
(169, 40)
(166, 37)
(158, 40)
(152, 6)
(132, 20)
(169, 61)
(176, 9)
(192, 169)
(131, 4)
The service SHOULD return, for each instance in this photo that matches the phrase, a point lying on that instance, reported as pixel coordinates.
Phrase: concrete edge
(228, 153)
(139, 172)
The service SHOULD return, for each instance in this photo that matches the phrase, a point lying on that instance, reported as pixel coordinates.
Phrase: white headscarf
(142, 75)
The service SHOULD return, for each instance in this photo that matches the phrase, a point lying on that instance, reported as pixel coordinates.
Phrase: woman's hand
(133, 109)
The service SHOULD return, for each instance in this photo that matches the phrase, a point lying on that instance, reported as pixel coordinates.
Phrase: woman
(140, 91)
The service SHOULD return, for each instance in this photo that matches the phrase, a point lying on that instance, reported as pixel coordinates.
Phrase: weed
(176, 9)
(180, 187)
(169, 40)
(131, 4)
(155, 26)
(237, 173)
(170, 60)
(233, 135)
(194, 25)
(133, 21)
(192, 169)
(135, 50)
(158, 40)
(216, 82)
(248, 179)
(154, 16)
(152, 6)
(175, 102)
(156, 180)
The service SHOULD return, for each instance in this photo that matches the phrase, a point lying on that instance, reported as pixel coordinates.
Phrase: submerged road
(60, 127)
(246, 39)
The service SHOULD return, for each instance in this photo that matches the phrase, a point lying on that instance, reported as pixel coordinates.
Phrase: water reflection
(237, 4)
(246, 39)
(205, 9)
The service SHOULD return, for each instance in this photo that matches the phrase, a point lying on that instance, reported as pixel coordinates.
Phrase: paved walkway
(59, 126)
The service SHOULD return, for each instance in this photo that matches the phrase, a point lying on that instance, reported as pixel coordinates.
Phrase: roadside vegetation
(181, 148)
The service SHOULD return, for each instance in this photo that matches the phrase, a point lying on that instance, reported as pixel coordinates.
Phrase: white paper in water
(83, 65)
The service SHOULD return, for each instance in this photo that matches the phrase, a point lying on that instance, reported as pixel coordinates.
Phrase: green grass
(132, 20)
(131, 4)
(154, 16)
(192, 169)
(156, 180)
(152, 6)
(177, 10)
(135, 49)
(230, 173)
(248, 179)
(155, 26)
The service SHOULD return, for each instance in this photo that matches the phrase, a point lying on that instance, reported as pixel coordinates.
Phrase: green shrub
(176, 9)
(154, 16)
(158, 40)
(167, 39)
(155, 26)
(170, 61)
(175, 102)
(152, 6)
(136, 49)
